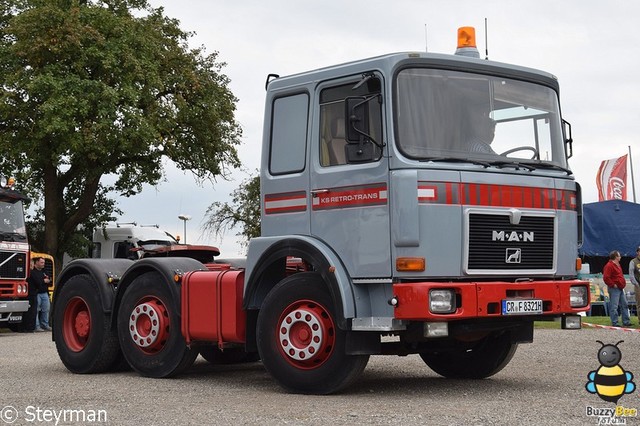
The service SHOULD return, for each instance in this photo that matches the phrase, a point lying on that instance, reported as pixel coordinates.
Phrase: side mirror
(359, 148)
(568, 141)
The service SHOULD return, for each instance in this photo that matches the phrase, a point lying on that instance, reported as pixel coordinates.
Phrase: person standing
(29, 317)
(634, 277)
(41, 282)
(614, 279)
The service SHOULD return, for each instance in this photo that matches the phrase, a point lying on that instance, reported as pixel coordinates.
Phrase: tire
(83, 337)
(299, 341)
(484, 359)
(229, 356)
(149, 328)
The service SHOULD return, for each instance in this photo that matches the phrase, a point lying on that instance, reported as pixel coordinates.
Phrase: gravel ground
(544, 385)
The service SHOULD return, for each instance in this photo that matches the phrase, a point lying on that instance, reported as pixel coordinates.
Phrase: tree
(244, 211)
(99, 88)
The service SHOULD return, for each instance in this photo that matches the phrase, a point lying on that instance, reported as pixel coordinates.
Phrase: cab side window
(122, 250)
(289, 134)
(333, 140)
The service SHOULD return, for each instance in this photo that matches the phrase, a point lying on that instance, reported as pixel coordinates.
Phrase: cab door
(349, 200)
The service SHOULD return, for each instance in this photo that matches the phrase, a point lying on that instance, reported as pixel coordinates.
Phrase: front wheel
(299, 341)
(482, 359)
(149, 328)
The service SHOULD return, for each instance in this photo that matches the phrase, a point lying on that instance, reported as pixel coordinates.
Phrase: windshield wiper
(12, 236)
(543, 165)
(455, 160)
(516, 164)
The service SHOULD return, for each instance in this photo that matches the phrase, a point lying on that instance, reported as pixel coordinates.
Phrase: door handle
(316, 192)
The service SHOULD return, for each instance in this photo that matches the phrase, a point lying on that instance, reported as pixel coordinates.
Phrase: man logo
(513, 255)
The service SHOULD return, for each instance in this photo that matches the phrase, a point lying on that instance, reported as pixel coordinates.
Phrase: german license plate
(521, 306)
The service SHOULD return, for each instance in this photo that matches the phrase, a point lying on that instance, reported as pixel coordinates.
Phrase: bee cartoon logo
(610, 381)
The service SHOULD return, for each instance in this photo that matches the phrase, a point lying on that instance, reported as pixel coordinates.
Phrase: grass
(591, 320)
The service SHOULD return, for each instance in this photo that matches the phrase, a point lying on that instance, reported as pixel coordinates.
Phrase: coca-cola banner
(612, 179)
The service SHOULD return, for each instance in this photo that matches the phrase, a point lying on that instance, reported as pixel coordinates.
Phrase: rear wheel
(484, 358)
(149, 328)
(299, 341)
(84, 340)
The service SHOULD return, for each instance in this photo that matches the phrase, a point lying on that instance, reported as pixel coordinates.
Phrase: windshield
(156, 243)
(12, 226)
(467, 116)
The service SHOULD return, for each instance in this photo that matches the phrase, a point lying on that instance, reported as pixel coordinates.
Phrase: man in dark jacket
(40, 281)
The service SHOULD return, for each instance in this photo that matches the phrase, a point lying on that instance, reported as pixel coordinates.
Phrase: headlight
(578, 296)
(442, 301)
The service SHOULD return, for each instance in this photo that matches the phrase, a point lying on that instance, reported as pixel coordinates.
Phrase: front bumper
(484, 299)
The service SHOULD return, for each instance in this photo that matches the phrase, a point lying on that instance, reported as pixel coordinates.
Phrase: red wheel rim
(149, 325)
(306, 334)
(76, 324)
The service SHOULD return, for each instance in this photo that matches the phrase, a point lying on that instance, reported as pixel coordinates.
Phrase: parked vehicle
(381, 217)
(14, 256)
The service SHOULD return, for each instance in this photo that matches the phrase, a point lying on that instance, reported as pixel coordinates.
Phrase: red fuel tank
(212, 307)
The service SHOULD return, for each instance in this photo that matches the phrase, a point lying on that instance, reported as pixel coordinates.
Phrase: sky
(591, 46)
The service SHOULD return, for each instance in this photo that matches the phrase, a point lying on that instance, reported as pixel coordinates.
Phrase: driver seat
(337, 143)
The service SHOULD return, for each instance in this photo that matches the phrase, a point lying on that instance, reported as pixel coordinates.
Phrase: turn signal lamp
(410, 264)
(7, 182)
(578, 264)
(467, 42)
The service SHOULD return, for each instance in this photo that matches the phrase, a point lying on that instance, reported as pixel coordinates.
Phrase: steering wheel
(536, 155)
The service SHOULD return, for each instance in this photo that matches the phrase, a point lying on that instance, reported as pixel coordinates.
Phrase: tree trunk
(52, 202)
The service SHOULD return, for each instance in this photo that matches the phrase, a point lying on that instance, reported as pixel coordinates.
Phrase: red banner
(612, 179)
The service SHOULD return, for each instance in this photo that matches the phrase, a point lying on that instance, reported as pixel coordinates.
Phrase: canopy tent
(610, 225)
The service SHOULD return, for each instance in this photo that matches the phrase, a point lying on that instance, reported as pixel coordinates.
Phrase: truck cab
(14, 256)
(132, 241)
(125, 240)
(432, 196)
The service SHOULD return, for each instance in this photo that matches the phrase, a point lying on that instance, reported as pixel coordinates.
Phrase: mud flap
(363, 343)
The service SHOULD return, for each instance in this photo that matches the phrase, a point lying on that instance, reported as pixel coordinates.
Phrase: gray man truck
(412, 203)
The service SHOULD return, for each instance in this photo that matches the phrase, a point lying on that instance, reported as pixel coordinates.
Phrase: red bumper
(484, 299)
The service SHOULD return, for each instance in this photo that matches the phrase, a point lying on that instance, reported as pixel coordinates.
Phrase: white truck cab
(125, 240)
